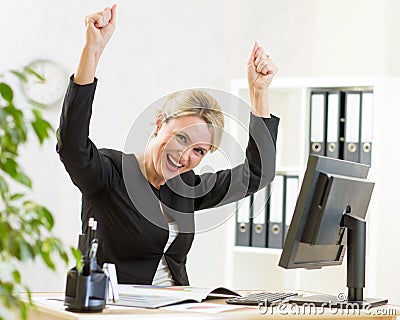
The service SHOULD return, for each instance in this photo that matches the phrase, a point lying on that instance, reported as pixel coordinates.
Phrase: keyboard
(265, 298)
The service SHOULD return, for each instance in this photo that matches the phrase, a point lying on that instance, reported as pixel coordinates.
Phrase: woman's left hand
(260, 69)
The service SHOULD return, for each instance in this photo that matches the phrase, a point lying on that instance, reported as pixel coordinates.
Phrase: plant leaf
(16, 113)
(6, 92)
(33, 72)
(37, 113)
(60, 248)
(3, 121)
(23, 310)
(41, 128)
(47, 259)
(16, 276)
(23, 179)
(29, 293)
(38, 104)
(23, 130)
(10, 148)
(63, 256)
(17, 196)
(25, 227)
(20, 75)
(26, 250)
(46, 216)
(78, 258)
(3, 186)
(10, 166)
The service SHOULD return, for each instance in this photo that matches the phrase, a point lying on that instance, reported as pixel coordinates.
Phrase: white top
(163, 275)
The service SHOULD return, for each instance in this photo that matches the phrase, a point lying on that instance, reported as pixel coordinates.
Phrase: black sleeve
(89, 170)
(257, 171)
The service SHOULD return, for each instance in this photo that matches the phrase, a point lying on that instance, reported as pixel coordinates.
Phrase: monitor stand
(356, 244)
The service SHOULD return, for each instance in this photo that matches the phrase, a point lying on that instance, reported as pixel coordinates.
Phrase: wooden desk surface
(51, 306)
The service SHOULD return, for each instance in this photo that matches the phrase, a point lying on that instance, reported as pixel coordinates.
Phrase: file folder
(352, 126)
(366, 127)
(332, 125)
(259, 214)
(291, 193)
(275, 223)
(243, 222)
(317, 123)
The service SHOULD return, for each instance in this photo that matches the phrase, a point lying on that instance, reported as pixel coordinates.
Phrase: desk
(50, 306)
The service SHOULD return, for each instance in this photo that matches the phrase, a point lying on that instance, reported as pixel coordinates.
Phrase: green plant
(25, 226)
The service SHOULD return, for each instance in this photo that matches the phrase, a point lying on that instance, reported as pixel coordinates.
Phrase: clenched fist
(100, 27)
(260, 69)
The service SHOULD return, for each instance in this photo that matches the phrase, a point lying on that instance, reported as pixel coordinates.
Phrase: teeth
(174, 162)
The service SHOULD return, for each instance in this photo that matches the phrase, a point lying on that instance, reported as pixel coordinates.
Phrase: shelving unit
(289, 100)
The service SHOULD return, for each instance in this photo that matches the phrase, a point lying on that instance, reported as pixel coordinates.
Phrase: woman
(144, 203)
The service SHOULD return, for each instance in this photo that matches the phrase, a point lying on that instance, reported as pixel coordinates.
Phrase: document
(352, 126)
(366, 127)
(332, 125)
(275, 225)
(243, 230)
(259, 214)
(292, 187)
(204, 307)
(146, 296)
(317, 125)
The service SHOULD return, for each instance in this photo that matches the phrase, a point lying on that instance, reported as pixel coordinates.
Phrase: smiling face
(179, 145)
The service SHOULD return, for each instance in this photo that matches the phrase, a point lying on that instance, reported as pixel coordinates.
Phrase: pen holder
(86, 293)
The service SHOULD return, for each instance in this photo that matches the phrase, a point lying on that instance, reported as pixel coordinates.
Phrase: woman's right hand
(100, 27)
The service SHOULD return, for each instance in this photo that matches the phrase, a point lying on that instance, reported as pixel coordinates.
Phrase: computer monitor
(328, 218)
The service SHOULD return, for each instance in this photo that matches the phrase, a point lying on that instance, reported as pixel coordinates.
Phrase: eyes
(199, 151)
(182, 139)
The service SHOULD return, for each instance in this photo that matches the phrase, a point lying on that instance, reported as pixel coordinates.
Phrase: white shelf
(289, 99)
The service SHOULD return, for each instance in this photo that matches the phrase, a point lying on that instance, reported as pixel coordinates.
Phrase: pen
(89, 237)
(93, 249)
(94, 229)
(92, 262)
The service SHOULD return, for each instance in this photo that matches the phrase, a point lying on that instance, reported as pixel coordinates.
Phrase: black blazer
(132, 230)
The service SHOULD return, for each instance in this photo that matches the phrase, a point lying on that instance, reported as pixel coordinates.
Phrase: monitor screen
(328, 218)
(330, 187)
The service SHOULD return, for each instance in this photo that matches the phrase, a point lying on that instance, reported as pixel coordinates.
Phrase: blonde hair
(195, 102)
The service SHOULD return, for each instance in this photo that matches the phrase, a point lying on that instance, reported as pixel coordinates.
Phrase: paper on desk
(202, 307)
(145, 296)
(182, 292)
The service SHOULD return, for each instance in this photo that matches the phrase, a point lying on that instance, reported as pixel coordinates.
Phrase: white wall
(161, 46)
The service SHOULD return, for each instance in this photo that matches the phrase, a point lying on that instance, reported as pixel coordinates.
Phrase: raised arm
(258, 169)
(88, 168)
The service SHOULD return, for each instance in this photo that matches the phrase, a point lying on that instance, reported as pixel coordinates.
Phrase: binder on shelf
(352, 126)
(332, 125)
(243, 227)
(259, 214)
(317, 123)
(291, 193)
(275, 214)
(366, 127)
